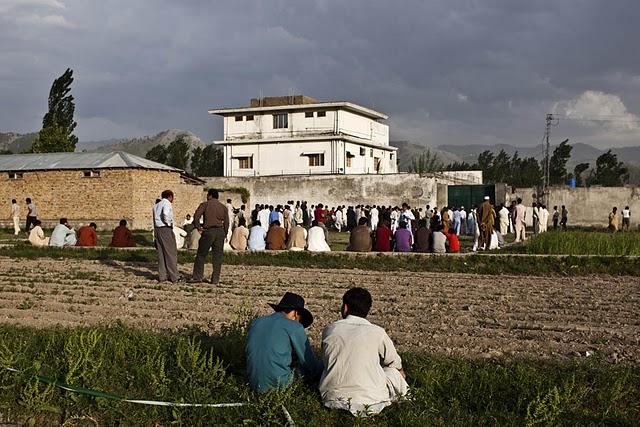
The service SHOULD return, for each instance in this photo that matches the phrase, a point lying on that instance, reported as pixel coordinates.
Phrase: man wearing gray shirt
(165, 240)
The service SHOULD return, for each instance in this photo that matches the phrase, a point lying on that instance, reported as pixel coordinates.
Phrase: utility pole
(550, 121)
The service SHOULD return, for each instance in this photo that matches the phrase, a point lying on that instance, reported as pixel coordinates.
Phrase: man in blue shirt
(273, 341)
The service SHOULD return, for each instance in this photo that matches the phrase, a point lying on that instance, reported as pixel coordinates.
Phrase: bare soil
(471, 315)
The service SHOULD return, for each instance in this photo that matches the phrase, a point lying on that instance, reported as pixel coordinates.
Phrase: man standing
(626, 218)
(556, 217)
(32, 214)
(614, 220)
(486, 219)
(463, 221)
(543, 215)
(363, 372)
(536, 218)
(564, 217)
(214, 229)
(15, 216)
(165, 239)
(272, 342)
(503, 219)
(375, 217)
(520, 220)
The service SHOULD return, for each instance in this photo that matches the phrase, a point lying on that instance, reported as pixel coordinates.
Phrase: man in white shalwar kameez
(316, 241)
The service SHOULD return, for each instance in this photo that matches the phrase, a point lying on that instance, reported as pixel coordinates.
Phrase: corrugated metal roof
(69, 161)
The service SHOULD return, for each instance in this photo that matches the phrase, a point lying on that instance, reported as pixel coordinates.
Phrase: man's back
(257, 236)
(276, 238)
(87, 236)
(439, 241)
(354, 353)
(423, 235)
(521, 212)
(271, 342)
(360, 239)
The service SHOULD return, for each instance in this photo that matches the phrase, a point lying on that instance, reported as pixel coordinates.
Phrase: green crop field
(583, 242)
(191, 367)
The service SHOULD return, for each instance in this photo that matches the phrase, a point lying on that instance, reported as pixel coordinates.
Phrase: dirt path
(473, 315)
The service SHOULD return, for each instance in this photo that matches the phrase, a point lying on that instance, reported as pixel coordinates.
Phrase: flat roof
(74, 161)
(345, 105)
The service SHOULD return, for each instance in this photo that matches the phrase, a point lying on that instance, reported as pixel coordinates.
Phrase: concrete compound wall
(341, 189)
(588, 206)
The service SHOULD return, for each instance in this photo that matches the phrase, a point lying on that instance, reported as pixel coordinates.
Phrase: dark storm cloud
(446, 72)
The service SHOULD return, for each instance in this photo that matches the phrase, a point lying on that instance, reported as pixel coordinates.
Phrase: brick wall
(116, 194)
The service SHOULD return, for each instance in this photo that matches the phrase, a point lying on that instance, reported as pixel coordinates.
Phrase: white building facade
(296, 135)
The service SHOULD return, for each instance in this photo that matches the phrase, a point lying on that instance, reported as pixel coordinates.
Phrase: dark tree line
(528, 171)
(205, 161)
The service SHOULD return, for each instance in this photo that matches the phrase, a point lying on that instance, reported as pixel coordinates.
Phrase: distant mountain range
(140, 146)
(16, 142)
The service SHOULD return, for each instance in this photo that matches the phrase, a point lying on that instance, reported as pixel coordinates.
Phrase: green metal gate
(469, 195)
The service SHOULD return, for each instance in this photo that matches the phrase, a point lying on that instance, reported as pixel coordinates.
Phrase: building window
(280, 121)
(15, 175)
(238, 118)
(349, 161)
(391, 156)
(362, 152)
(371, 153)
(245, 162)
(316, 159)
(322, 114)
(249, 118)
(308, 114)
(91, 174)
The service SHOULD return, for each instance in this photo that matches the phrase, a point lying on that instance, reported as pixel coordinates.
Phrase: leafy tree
(426, 162)
(157, 154)
(577, 173)
(609, 172)
(558, 163)
(459, 166)
(178, 153)
(58, 124)
(207, 162)
(514, 170)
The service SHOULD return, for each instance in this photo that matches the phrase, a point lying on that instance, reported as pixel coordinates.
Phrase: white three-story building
(295, 135)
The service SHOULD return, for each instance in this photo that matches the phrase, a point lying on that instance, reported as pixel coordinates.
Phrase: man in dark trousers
(165, 239)
(214, 230)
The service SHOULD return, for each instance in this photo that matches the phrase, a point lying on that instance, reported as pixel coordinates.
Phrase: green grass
(582, 242)
(498, 263)
(193, 367)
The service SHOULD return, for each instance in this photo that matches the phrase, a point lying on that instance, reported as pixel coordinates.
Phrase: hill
(16, 142)
(140, 146)
(408, 150)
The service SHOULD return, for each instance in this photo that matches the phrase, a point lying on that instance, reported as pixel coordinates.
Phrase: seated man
(36, 235)
(383, 237)
(438, 240)
(423, 237)
(453, 241)
(297, 238)
(63, 235)
(87, 235)
(240, 236)
(363, 372)
(360, 237)
(257, 236)
(122, 236)
(272, 342)
(403, 238)
(276, 237)
(317, 240)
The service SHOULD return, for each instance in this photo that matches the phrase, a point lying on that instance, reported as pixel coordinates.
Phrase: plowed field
(476, 316)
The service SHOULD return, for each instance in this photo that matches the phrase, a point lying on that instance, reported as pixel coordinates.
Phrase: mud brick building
(99, 187)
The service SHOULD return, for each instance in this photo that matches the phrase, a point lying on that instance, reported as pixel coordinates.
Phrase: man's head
(403, 224)
(37, 223)
(356, 302)
(93, 225)
(242, 222)
(615, 209)
(167, 194)
(275, 223)
(422, 223)
(314, 223)
(229, 201)
(13, 201)
(63, 221)
(292, 307)
(28, 200)
(212, 194)
(255, 223)
(362, 221)
(519, 200)
(123, 222)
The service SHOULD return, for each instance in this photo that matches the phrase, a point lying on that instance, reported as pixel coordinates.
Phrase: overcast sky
(446, 72)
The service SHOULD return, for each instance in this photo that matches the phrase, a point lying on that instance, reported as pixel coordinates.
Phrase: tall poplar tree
(58, 124)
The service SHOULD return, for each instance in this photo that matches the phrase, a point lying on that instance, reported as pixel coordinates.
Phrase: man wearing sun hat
(274, 339)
